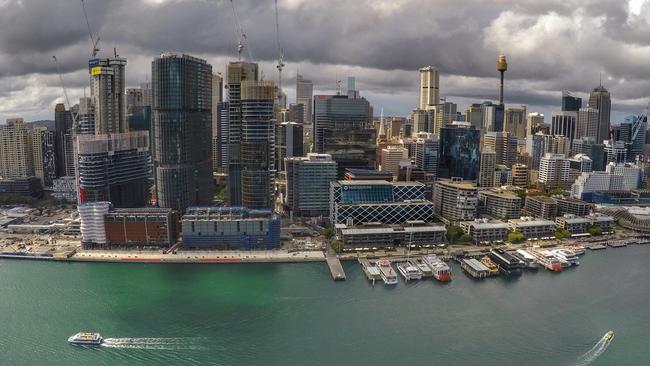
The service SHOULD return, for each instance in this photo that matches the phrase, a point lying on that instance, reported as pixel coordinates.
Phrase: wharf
(595, 246)
(474, 268)
(370, 270)
(335, 266)
(617, 244)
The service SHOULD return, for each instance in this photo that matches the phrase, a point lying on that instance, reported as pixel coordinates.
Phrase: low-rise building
(484, 231)
(500, 203)
(604, 222)
(382, 236)
(533, 228)
(575, 224)
(149, 226)
(28, 186)
(540, 206)
(455, 200)
(64, 188)
(573, 206)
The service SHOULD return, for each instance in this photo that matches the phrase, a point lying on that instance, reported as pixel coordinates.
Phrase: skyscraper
(637, 136)
(182, 107)
(107, 91)
(505, 146)
(587, 123)
(288, 142)
(63, 141)
(492, 117)
(459, 153)
(486, 168)
(564, 124)
(474, 115)
(429, 87)
(533, 121)
(304, 95)
(427, 154)
(217, 98)
(16, 157)
(515, 122)
(308, 184)
(423, 120)
(600, 99)
(570, 103)
(236, 73)
(589, 147)
(554, 171)
(446, 113)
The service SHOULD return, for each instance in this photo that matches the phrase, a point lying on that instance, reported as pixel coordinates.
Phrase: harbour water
(294, 314)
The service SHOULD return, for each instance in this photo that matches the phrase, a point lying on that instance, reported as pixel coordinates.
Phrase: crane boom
(65, 94)
(95, 42)
(280, 65)
(242, 39)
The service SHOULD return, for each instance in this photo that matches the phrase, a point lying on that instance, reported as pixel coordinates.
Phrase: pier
(370, 270)
(335, 266)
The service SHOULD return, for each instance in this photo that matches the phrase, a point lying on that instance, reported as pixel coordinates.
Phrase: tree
(328, 232)
(555, 192)
(454, 232)
(562, 234)
(595, 230)
(515, 237)
(465, 239)
(337, 246)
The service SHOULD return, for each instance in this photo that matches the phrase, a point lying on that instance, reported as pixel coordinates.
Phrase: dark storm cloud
(551, 45)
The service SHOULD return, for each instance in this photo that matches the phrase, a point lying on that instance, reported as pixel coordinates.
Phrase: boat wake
(157, 343)
(595, 352)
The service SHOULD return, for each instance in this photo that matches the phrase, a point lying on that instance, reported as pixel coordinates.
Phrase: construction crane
(242, 40)
(95, 42)
(280, 65)
(65, 94)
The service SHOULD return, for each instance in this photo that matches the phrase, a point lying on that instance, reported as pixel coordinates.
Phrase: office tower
(304, 96)
(48, 151)
(343, 129)
(133, 97)
(637, 138)
(91, 217)
(587, 123)
(492, 117)
(589, 147)
(554, 171)
(114, 167)
(391, 156)
(427, 154)
(502, 66)
(35, 140)
(505, 146)
(502, 176)
(535, 148)
(63, 141)
(217, 97)
(570, 103)
(236, 73)
(564, 124)
(445, 115)
(257, 144)
(288, 142)
(486, 168)
(223, 136)
(455, 200)
(147, 94)
(615, 151)
(580, 164)
(85, 117)
(459, 152)
(295, 113)
(557, 145)
(429, 87)
(515, 122)
(423, 120)
(474, 115)
(182, 107)
(308, 184)
(520, 175)
(16, 157)
(600, 99)
(533, 122)
(107, 84)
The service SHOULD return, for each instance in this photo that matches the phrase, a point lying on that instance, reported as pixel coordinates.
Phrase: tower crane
(242, 40)
(65, 94)
(94, 41)
(280, 64)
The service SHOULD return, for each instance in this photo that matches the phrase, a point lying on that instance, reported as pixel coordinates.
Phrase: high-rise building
(48, 149)
(427, 154)
(423, 120)
(107, 91)
(459, 151)
(16, 156)
(391, 156)
(343, 129)
(182, 107)
(515, 122)
(504, 144)
(535, 148)
(236, 73)
(133, 96)
(637, 139)
(474, 115)
(588, 183)
(554, 171)
(587, 123)
(217, 98)
(308, 184)
(564, 124)
(63, 141)
(445, 114)
(86, 117)
(520, 175)
(492, 117)
(534, 121)
(147, 94)
(570, 103)
(588, 146)
(223, 136)
(35, 139)
(91, 217)
(257, 144)
(615, 151)
(455, 200)
(429, 87)
(600, 99)
(486, 168)
(288, 142)
(304, 96)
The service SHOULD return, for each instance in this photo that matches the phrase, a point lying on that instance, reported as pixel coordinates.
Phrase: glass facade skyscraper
(459, 151)
(182, 112)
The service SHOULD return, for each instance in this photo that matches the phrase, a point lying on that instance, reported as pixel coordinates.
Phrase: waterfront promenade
(214, 256)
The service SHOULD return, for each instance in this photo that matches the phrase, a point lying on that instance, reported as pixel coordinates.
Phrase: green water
(294, 314)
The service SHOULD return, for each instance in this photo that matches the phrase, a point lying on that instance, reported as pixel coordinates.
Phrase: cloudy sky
(550, 44)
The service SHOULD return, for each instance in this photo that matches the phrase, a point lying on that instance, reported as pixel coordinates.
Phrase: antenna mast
(94, 41)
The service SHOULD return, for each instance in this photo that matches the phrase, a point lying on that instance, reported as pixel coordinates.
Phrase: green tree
(465, 239)
(328, 232)
(454, 232)
(555, 192)
(562, 234)
(337, 246)
(515, 237)
(595, 230)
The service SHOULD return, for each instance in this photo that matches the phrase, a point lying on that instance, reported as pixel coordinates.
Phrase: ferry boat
(409, 272)
(566, 255)
(441, 270)
(508, 264)
(423, 267)
(577, 249)
(86, 339)
(491, 266)
(548, 260)
(386, 271)
(529, 260)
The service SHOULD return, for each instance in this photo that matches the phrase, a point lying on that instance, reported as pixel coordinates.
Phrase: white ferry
(441, 270)
(86, 339)
(409, 272)
(423, 267)
(567, 256)
(548, 260)
(386, 271)
(531, 262)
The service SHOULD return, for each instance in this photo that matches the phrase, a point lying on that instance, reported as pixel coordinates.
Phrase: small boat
(491, 266)
(566, 255)
(609, 336)
(386, 271)
(86, 339)
(441, 270)
(423, 267)
(409, 272)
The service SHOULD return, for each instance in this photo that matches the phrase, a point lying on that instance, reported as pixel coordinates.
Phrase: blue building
(459, 151)
(230, 228)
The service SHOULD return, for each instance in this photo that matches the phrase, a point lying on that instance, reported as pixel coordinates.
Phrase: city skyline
(535, 77)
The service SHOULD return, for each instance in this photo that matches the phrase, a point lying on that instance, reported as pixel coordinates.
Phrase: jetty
(335, 266)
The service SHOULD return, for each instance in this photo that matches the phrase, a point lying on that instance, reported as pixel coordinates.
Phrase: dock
(370, 270)
(595, 247)
(619, 243)
(335, 266)
(474, 268)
